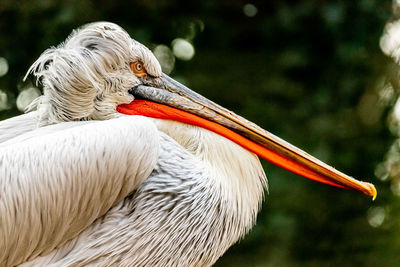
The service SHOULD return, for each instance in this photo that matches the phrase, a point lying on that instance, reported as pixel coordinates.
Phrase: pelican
(117, 164)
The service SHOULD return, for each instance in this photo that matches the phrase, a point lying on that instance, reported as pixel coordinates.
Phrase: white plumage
(84, 185)
(116, 190)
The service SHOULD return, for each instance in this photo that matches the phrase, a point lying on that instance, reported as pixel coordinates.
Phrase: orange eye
(138, 68)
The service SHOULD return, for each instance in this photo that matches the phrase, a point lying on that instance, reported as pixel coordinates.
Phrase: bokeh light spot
(182, 49)
(396, 110)
(334, 13)
(26, 97)
(395, 187)
(390, 40)
(3, 66)
(386, 93)
(3, 101)
(368, 109)
(250, 10)
(382, 172)
(166, 58)
(376, 216)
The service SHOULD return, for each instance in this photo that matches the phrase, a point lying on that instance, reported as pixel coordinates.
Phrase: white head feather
(88, 75)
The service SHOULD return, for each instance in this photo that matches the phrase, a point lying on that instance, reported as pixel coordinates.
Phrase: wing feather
(55, 182)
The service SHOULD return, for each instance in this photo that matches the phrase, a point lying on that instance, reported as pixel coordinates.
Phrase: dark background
(310, 72)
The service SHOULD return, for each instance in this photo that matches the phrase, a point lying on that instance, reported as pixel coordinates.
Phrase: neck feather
(238, 173)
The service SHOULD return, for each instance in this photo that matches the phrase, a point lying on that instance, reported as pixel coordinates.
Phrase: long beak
(172, 100)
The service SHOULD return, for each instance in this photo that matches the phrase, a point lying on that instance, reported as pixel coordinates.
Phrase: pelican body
(117, 164)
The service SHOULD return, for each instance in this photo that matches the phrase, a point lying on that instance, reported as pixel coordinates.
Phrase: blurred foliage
(309, 71)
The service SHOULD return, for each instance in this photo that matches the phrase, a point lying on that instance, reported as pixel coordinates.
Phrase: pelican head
(88, 75)
(100, 71)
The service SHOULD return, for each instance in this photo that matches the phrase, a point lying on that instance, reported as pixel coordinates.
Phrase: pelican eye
(138, 68)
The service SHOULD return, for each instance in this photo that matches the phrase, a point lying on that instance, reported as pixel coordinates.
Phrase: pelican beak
(166, 98)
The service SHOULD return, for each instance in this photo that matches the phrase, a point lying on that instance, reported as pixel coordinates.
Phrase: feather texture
(184, 214)
(56, 184)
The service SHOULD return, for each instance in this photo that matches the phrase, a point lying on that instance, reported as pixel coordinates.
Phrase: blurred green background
(310, 72)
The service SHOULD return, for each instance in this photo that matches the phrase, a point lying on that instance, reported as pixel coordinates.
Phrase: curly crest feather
(88, 75)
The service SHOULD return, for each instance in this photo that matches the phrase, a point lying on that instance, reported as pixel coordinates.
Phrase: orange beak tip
(372, 191)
